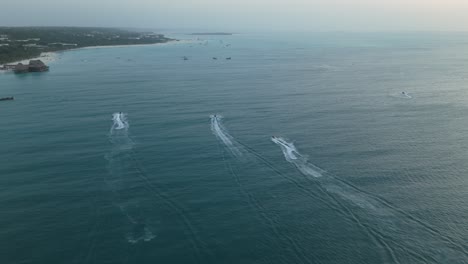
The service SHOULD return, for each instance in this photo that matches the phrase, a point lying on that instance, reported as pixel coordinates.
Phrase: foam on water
(120, 121)
(140, 233)
(118, 134)
(222, 134)
(330, 183)
(389, 226)
(293, 156)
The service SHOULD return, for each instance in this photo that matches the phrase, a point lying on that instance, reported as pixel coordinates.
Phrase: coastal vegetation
(19, 43)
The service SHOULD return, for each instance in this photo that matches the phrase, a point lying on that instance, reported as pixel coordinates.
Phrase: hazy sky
(242, 15)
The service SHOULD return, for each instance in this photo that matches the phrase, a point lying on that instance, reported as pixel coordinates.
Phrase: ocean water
(134, 155)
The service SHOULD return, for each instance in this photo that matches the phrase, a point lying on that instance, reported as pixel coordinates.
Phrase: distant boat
(7, 98)
(214, 58)
(185, 58)
(228, 58)
(405, 95)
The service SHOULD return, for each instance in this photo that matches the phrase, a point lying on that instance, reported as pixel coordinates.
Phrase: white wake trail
(118, 134)
(221, 133)
(121, 167)
(293, 156)
(400, 233)
(330, 183)
(120, 121)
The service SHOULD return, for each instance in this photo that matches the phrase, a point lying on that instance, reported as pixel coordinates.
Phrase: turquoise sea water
(358, 172)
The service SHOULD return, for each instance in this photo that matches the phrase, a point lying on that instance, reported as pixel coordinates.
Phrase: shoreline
(170, 42)
(123, 46)
(51, 56)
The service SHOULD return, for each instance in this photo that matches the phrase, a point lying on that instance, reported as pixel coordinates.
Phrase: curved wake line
(196, 242)
(262, 212)
(122, 160)
(378, 206)
(221, 133)
(335, 203)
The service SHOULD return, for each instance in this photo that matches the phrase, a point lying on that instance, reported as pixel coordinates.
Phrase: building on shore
(37, 66)
(21, 68)
(33, 66)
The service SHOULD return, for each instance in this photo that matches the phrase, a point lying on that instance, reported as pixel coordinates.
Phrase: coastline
(123, 46)
(51, 56)
(170, 42)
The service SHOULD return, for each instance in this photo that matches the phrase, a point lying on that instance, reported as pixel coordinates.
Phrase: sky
(243, 15)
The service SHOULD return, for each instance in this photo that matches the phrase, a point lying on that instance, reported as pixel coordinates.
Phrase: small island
(21, 43)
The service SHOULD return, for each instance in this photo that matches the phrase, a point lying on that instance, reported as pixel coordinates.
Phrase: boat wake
(391, 228)
(293, 156)
(139, 231)
(330, 183)
(269, 219)
(133, 192)
(119, 136)
(120, 121)
(222, 134)
(121, 183)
